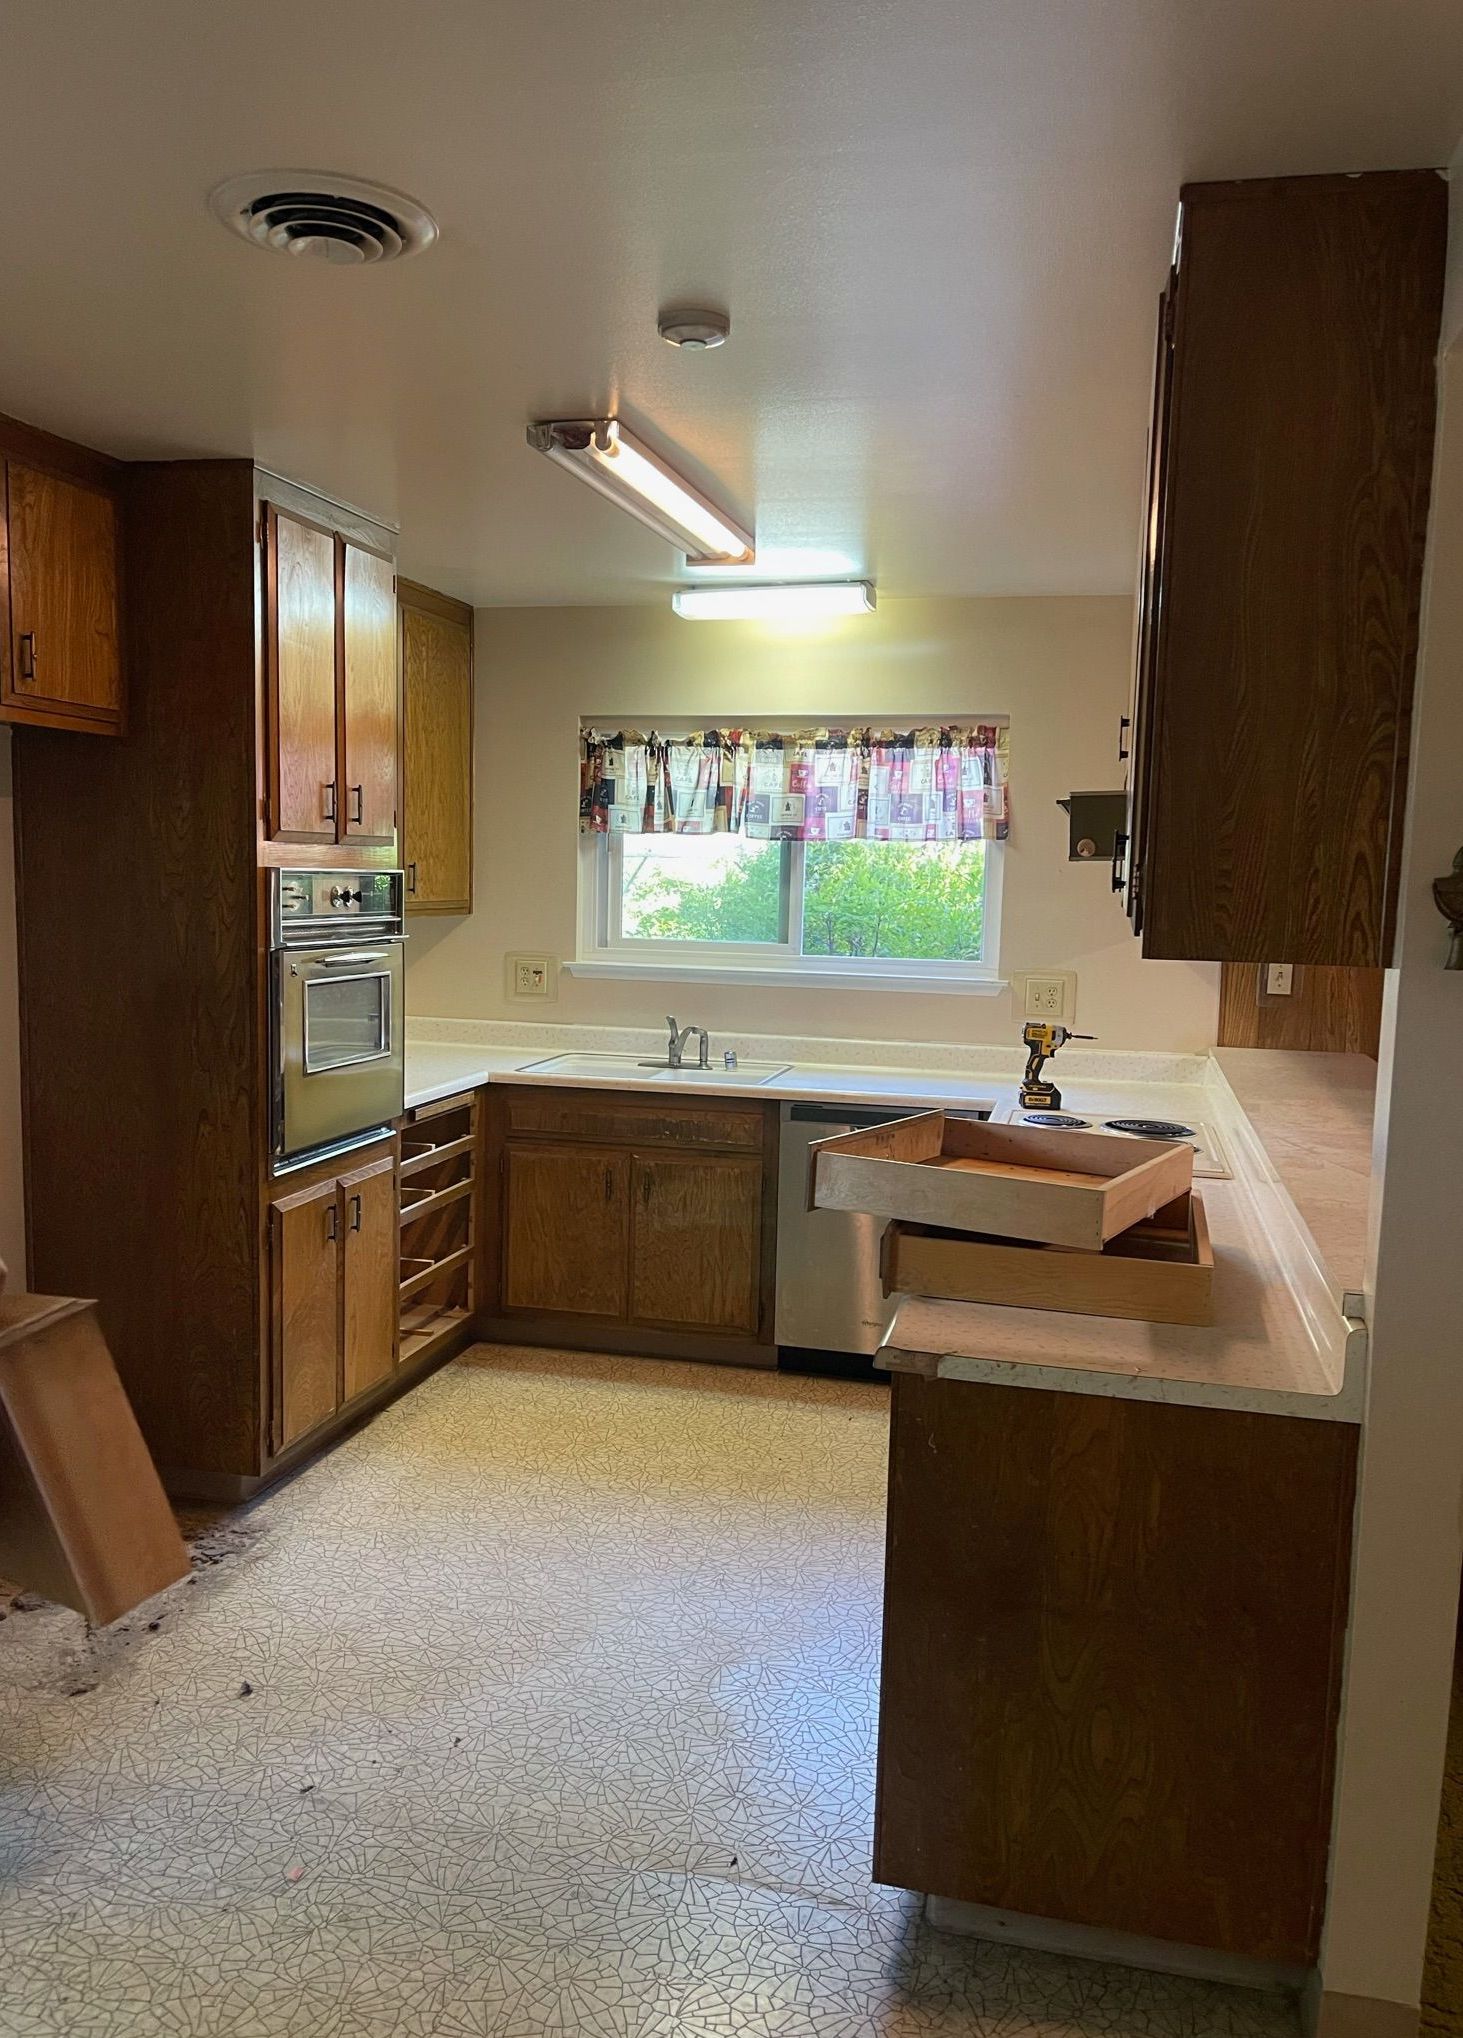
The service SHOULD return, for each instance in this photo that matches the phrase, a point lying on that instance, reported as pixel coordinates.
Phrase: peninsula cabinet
(60, 645)
(1111, 1665)
(1289, 464)
(630, 1224)
(333, 687)
(437, 683)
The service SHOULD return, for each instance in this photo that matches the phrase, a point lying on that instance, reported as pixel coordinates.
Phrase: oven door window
(347, 1020)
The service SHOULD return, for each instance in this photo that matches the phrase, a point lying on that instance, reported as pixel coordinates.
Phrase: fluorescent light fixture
(810, 601)
(612, 460)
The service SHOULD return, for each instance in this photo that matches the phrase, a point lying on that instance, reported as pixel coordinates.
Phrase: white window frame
(605, 951)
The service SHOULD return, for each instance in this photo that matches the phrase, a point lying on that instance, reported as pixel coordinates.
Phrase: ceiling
(940, 227)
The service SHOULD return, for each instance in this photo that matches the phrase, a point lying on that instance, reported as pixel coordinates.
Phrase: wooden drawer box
(1161, 1272)
(1015, 1181)
(598, 1115)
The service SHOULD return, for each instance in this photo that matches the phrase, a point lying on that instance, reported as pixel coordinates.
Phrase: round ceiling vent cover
(317, 215)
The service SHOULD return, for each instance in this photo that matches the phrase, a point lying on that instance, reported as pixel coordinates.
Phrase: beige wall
(1058, 667)
(12, 1213)
(1405, 1595)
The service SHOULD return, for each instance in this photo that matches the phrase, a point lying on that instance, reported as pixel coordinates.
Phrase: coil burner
(1057, 1121)
(1151, 1128)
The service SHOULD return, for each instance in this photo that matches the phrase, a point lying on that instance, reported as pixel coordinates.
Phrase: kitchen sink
(605, 1068)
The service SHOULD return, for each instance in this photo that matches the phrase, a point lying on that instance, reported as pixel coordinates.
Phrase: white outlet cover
(1049, 994)
(532, 976)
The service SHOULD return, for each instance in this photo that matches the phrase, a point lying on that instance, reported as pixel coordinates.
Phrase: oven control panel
(310, 904)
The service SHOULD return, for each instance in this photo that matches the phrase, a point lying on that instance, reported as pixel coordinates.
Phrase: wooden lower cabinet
(333, 1280)
(623, 1214)
(697, 1241)
(1111, 1666)
(566, 1229)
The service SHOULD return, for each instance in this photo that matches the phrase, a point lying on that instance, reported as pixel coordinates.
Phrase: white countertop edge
(1132, 1386)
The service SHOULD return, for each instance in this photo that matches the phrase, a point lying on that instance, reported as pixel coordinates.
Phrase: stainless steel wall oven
(339, 1008)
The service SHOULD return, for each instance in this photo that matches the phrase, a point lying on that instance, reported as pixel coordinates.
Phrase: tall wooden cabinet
(261, 635)
(60, 585)
(1289, 464)
(437, 683)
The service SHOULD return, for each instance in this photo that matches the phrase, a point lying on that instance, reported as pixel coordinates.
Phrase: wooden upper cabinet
(1289, 474)
(333, 696)
(301, 653)
(62, 661)
(370, 695)
(437, 683)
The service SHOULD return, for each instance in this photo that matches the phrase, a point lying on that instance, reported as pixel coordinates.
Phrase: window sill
(794, 979)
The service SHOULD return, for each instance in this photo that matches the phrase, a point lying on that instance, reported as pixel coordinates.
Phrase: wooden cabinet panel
(64, 650)
(370, 1230)
(300, 649)
(306, 1247)
(643, 1121)
(370, 696)
(696, 1255)
(1111, 1662)
(566, 1230)
(1279, 636)
(437, 678)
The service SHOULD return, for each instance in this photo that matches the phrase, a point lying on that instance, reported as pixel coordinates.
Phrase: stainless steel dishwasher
(829, 1299)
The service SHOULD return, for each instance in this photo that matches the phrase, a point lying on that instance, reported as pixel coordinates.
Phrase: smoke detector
(694, 330)
(318, 215)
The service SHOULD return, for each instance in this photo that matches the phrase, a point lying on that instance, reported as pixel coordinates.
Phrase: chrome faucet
(677, 1045)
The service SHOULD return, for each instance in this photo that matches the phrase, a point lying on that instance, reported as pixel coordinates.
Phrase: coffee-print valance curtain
(936, 784)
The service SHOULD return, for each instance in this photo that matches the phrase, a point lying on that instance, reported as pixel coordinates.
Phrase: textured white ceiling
(939, 225)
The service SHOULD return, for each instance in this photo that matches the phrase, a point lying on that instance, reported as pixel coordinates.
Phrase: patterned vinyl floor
(544, 1704)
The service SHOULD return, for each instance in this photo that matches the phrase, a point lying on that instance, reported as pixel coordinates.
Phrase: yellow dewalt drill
(1043, 1041)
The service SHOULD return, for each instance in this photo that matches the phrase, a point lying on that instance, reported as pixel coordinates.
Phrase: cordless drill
(1043, 1041)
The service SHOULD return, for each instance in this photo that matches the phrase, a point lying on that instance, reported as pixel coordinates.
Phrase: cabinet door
(371, 696)
(368, 1200)
(300, 649)
(566, 1230)
(436, 656)
(1128, 859)
(305, 1263)
(698, 1241)
(64, 645)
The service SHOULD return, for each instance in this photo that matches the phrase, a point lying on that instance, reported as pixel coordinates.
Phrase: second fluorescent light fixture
(612, 460)
(788, 603)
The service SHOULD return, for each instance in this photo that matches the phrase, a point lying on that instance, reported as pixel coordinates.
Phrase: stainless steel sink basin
(605, 1068)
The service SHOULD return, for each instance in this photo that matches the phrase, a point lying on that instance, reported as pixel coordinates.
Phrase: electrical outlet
(1279, 979)
(1052, 995)
(532, 976)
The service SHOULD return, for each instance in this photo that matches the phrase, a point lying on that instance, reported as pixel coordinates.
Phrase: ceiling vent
(316, 215)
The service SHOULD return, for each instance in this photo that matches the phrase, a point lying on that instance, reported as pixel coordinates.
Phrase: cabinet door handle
(356, 799)
(645, 1189)
(1125, 722)
(609, 1185)
(355, 1205)
(1119, 856)
(411, 879)
(25, 645)
(332, 1224)
(327, 800)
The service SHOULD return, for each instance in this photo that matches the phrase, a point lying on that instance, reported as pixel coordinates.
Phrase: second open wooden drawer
(1159, 1272)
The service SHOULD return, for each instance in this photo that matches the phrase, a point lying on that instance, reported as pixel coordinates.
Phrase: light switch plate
(1049, 994)
(532, 976)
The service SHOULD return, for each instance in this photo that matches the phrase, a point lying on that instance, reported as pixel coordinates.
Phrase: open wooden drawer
(1014, 1181)
(1161, 1271)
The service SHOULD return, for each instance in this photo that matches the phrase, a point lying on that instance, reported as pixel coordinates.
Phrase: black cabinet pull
(645, 1189)
(609, 1185)
(1125, 722)
(1119, 859)
(25, 646)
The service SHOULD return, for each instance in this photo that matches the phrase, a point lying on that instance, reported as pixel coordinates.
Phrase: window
(879, 912)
